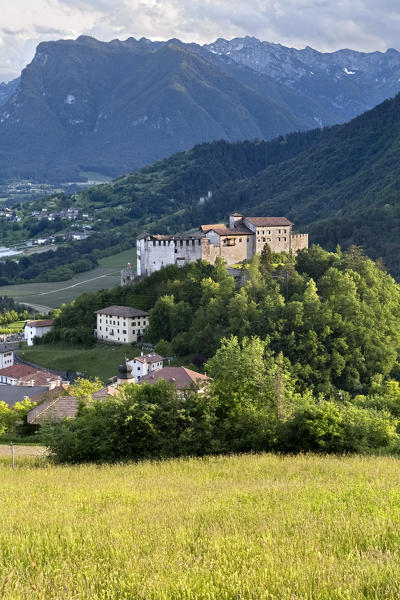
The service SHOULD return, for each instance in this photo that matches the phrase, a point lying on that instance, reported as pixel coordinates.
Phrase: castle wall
(153, 254)
(299, 241)
(232, 249)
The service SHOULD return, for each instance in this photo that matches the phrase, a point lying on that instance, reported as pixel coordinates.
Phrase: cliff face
(346, 83)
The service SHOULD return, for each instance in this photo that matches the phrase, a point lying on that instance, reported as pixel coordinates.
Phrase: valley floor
(249, 527)
(52, 294)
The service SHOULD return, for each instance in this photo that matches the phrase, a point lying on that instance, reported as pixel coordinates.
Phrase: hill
(340, 183)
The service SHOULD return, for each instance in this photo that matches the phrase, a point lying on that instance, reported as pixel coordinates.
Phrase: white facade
(36, 329)
(121, 324)
(6, 357)
(145, 364)
(157, 251)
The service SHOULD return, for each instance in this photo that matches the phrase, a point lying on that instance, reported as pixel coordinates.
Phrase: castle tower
(235, 220)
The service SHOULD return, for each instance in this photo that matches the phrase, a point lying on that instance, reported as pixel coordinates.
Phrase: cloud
(323, 24)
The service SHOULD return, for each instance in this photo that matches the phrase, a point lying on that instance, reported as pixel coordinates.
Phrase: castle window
(248, 240)
(124, 331)
(240, 240)
(176, 251)
(181, 243)
(263, 239)
(284, 239)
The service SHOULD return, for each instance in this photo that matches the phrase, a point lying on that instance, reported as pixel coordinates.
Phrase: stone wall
(299, 241)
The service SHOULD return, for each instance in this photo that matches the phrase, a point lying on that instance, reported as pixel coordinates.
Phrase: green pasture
(101, 360)
(249, 528)
(52, 295)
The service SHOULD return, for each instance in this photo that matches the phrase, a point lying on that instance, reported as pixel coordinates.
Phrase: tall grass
(250, 527)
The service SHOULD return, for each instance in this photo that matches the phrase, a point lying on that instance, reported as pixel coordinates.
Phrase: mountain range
(84, 106)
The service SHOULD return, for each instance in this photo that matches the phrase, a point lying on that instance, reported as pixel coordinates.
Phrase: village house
(182, 378)
(36, 329)
(240, 240)
(6, 356)
(11, 394)
(144, 364)
(121, 324)
(26, 375)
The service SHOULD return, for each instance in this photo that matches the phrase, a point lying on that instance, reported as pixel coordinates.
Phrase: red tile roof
(149, 358)
(40, 378)
(181, 377)
(45, 323)
(269, 221)
(208, 227)
(17, 371)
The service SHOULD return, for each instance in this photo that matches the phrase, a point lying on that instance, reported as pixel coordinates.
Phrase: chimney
(235, 220)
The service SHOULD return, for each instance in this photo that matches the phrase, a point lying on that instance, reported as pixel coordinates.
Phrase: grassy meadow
(227, 528)
(101, 360)
(53, 294)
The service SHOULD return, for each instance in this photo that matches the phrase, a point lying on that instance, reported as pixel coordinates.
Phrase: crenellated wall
(299, 241)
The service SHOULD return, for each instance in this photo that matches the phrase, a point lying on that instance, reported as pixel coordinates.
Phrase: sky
(326, 25)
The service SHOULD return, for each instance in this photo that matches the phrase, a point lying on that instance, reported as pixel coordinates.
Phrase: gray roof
(122, 311)
(54, 410)
(6, 348)
(269, 221)
(10, 394)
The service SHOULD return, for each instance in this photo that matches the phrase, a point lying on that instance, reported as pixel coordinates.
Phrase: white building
(145, 364)
(157, 251)
(121, 324)
(36, 329)
(6, 356)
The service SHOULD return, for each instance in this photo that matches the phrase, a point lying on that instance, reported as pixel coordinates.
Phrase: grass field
(52, 295)
(247, 528)
(101, 360)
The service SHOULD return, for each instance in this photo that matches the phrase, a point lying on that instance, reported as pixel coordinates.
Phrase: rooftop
(181, 377)
(122, 311)
(11, 394)
(45, 323)
(224, 230)
(269, 221)
(149, 358)
(5, 348)
(17, 371)
(54, 410)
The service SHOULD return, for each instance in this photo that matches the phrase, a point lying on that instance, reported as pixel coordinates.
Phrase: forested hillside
(341, 184)
(334, 316)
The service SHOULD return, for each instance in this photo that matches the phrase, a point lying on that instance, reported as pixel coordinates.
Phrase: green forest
(304, 356)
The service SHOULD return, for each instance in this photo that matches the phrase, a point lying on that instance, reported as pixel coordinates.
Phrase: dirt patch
(5, 450)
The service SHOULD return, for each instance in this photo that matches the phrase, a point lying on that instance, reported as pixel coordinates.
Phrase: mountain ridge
(113, 107)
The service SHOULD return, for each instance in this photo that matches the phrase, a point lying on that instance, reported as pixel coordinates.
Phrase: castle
(242, 239)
